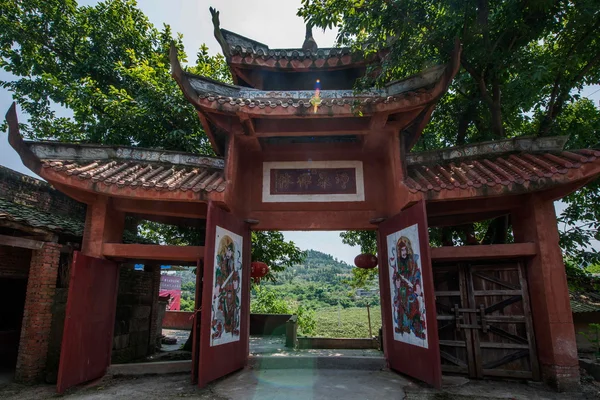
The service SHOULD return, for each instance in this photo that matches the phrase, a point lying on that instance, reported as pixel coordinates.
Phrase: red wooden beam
(483, 252)
(152, 252)
(160, 207)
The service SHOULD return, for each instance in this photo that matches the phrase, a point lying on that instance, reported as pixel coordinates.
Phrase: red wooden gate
(196, 321)
(89, 322)
(410, 334)
(225, 316)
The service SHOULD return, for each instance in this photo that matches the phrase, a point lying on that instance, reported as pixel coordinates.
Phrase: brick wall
(14, 261)
(37, 319)
(178, 320)
(132, 321)
(23, 189)
(154, 328)
(59, 311)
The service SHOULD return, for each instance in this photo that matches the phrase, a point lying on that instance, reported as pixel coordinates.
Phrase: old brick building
(36, 223)
(39, 229)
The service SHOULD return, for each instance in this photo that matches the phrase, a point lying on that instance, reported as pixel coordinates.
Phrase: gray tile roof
(34, 217)
(582, 302)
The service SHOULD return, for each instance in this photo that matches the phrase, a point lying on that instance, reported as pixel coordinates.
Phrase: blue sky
(273, 22)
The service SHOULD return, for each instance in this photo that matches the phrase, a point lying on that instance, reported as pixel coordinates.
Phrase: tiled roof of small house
(515, 164)
(582, 302)
(31, 202)
(37, 218)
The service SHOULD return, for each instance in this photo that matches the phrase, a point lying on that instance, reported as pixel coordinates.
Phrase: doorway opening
(317, 297)
(14, 270)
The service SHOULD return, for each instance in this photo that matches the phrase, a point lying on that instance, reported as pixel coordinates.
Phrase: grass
(348, 323)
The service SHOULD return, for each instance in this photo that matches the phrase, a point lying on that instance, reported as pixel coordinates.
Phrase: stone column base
(561, 378)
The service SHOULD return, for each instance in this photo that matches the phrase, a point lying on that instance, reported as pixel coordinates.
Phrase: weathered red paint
(178, 320)
(535, 221)
(89, 322)
(218, 361)
(423, 364)
(155, 252)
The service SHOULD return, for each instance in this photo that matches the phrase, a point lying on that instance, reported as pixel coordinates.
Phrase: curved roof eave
(501, 168)
(124, 172)
(408, 94)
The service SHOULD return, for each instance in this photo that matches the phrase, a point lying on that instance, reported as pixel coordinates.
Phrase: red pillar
(103, 224)
(535, 221)
(37, 317)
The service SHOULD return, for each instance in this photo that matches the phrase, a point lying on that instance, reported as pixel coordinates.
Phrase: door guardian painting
(406, 287)
(227, 288)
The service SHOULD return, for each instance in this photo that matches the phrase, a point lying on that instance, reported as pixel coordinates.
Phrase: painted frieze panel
(227, 288)
(406, 287)
(319, 181)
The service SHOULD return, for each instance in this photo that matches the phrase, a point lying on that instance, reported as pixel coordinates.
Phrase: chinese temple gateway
(296, 156)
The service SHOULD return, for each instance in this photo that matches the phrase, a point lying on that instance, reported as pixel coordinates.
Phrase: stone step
(148, 368)
(317, 362)
(257, 362)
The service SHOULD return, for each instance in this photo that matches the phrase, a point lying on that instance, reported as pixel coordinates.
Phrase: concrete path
(305, 384)
(293, 384)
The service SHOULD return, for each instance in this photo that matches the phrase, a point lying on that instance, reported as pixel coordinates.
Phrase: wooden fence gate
(484, 319)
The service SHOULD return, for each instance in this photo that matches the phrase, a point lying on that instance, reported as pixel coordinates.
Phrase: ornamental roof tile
(135, 174)
(248, 52)
(503, 163)
(37, 218)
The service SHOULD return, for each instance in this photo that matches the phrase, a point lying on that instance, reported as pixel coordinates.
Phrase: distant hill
(317, 267)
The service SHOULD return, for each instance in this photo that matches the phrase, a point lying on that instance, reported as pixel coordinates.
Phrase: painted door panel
(225, 316)
(89, 321)
(407, 294)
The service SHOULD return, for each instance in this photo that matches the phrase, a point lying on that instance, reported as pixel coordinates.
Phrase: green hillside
(319, 282)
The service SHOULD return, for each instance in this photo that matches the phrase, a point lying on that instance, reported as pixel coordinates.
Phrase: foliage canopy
(523, 66)
(107, 67)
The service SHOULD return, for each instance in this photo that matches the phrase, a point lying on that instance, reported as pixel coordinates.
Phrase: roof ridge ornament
(218, 34)
(309, 42)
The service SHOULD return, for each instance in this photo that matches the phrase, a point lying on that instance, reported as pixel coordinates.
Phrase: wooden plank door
(503, 340)
(89, 322)
(452, 300)
(225, 317)
(407, 294)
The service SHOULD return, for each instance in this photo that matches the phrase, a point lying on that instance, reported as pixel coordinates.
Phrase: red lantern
(258, 270)
(365, 261)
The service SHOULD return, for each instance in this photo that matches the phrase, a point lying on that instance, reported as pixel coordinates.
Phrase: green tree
(271, 248)
(523, 65)
(108, 66)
